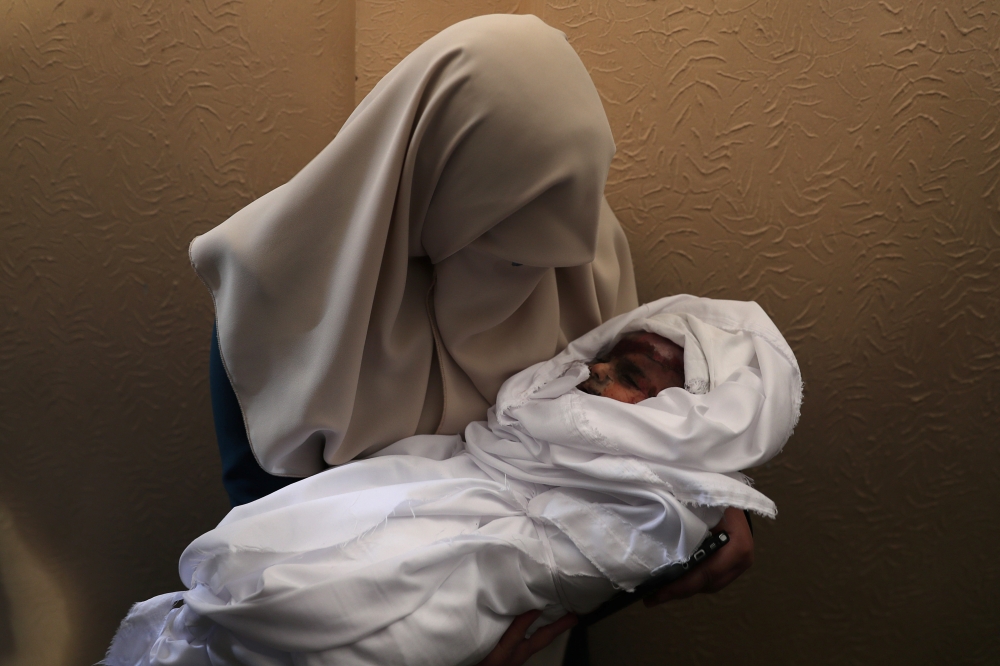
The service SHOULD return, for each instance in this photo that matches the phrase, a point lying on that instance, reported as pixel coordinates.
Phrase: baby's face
(638, 367)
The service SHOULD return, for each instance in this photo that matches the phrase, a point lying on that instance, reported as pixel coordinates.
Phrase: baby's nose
(601, 371)
(600, 378)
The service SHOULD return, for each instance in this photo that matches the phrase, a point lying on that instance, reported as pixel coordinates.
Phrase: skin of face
(639, 366)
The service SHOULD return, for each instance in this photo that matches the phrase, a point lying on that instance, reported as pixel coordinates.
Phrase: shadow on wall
(34, 614)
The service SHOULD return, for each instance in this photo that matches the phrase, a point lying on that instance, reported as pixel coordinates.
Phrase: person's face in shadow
(638, 367)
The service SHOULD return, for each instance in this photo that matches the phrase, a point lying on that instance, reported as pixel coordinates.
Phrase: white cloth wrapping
(558, 499)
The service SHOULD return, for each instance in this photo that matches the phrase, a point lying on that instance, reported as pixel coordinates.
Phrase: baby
(423, 552)
(638, 367)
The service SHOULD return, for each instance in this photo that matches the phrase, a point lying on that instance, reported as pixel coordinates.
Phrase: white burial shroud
(423, 553)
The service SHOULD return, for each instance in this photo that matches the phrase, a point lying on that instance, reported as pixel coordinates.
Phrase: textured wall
(125, 130)
(837, 162)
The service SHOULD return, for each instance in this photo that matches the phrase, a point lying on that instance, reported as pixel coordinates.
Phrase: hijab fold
(453, 233)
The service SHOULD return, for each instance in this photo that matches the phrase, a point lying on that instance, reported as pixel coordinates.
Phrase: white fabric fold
(423, 553)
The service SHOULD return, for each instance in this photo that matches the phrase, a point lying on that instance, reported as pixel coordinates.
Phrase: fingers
(718, 571)
(511, 639)
(545, 635)
(514, 649)
(519, 627)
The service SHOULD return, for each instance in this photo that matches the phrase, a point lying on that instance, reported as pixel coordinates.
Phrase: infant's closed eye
(629, 373)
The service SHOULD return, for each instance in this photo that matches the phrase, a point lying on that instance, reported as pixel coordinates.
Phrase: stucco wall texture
(836, 162)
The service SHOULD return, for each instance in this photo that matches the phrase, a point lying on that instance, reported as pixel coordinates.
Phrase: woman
(453, 233)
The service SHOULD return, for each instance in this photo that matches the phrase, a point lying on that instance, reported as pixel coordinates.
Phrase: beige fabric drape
(453, 233)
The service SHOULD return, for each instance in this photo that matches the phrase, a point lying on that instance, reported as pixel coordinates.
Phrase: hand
(721, 569)
(514, 649)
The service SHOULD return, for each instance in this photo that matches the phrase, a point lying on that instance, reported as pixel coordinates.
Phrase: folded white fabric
(423, 553)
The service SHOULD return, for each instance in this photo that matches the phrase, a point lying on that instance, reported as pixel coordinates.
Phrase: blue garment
(242, 477)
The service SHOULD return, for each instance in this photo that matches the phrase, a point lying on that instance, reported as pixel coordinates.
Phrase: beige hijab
(453, 233)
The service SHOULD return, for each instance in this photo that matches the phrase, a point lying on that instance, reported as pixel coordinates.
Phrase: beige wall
(125, 130)
(838, 163)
